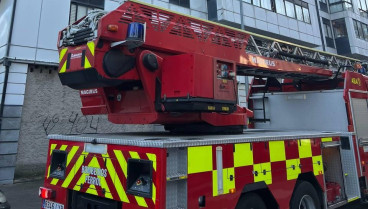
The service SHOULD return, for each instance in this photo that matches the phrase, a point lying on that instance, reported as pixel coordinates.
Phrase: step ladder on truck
(302, 143)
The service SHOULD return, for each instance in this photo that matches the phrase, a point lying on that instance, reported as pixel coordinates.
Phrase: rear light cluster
(46, 193)
(58, 164)
(139, 179)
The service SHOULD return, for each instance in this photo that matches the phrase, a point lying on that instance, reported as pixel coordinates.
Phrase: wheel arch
(311, 178)
(263, 191)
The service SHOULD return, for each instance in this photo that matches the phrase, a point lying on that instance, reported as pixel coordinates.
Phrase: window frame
(79, 3)
(186, 3)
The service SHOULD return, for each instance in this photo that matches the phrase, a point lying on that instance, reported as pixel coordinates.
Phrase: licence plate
(47, 204)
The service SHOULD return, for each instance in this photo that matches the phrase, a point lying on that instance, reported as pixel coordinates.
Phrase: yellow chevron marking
(63, 69)
(118, 185)
(92, 190)
(153, 193)
(71, 154)
(152, 157)
(134, 155)
(122, 162)
(87, 64)
(52, 147)
(54, 181)
(62, 53)
(63, 147)
(71, 174)
(91, 46)
(141, 202)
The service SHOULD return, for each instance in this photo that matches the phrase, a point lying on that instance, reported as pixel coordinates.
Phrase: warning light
(232, 191)
(112, 28)
(363, 162)
(46, 193)
(320, 172)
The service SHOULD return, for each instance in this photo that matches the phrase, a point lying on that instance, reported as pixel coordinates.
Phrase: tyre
(251, 201)
(305, 197)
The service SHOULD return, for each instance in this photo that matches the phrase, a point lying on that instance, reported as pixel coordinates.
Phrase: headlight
(58, 164)
(139, 179)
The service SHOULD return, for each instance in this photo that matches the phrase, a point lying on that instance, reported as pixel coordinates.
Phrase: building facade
(34, 104)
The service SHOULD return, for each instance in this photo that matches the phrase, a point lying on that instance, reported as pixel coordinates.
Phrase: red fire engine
(306, 142)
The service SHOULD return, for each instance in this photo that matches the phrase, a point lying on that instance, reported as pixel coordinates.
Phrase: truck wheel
(305, 197)
(251, 201)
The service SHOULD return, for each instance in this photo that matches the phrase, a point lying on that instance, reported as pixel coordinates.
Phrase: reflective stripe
(71, 174)
(277, 151)
(152, 157)
(62, 53)
(243, 155)
(63, 147)
(153, 193)
(63, 69)
(199, 159)
(292, 169)
(305, 149)
(54, 181)
(91, 47)
(87, 64)
(122, 162)
(317, 165)
(262, 172)
(141, 202)
(52, 147)
(71, 154)
(117, 183)
(92, 190)
(134, 155)
(328, 139)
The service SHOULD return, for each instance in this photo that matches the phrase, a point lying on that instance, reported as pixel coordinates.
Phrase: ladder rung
(258, 86)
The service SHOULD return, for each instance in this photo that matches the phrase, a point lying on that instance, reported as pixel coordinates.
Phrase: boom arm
(140, 65)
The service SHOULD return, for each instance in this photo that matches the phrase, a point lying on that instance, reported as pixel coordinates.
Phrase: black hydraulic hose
(7, 64)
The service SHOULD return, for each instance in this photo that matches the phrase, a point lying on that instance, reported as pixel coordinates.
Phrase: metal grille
(350, 170)
(176, 187)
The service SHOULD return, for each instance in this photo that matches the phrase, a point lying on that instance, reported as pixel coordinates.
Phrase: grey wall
(50, 108)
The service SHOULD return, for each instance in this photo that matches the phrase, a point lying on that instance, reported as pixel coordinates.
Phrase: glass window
(327, 28)
(306, 15)
(356, 28)
(280, 7)
(339, 28)
(365, 31)
(299, 12)
(248, 1)
(360, 28)
(362, 5)
(336, 8)
(183, 3)
(80, 8)
(257, 3)
(266, 4)
(290, 11)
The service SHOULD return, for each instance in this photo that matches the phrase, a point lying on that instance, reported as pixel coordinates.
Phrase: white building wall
(268, 21)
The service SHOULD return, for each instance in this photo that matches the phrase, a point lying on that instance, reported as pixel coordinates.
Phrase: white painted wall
(36, 27)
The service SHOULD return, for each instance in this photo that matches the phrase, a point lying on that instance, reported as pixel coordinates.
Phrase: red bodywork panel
(109, 178)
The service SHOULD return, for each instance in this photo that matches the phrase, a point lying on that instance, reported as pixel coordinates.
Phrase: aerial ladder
(142, 64)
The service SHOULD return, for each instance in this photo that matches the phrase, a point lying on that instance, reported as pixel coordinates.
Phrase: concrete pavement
(25, 196)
